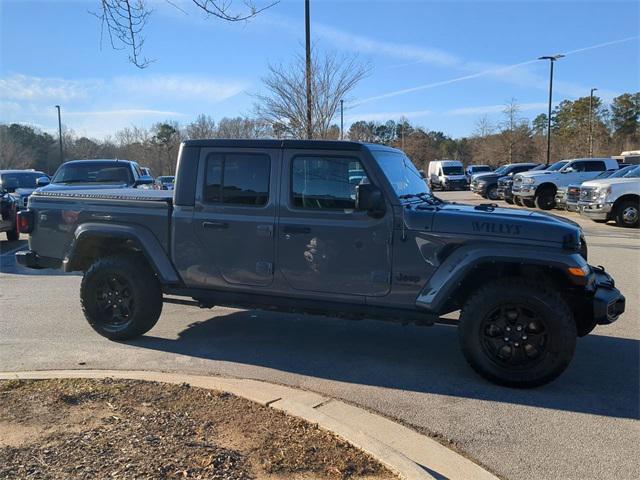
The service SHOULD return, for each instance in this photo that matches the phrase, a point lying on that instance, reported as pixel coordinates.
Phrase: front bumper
(455, 184)
(479, 188)
(30, 259)
(595, 210)
(608, 302)
(524, 190)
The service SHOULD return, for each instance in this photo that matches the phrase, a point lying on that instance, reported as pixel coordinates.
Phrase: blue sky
(441, 64)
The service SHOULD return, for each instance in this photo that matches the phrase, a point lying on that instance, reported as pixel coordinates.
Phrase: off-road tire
(492, 192)
(144, 292)
(622, 214)
(13, 234)
(559, 327)
(545, 201)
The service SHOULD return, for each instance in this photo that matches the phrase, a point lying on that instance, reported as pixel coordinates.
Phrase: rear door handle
(215, 225)
(293, 229)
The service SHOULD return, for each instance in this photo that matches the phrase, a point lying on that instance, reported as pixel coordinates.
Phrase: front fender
(139, 236)
(453, 270)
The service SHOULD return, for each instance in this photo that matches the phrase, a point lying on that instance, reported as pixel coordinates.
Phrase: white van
(447, 175)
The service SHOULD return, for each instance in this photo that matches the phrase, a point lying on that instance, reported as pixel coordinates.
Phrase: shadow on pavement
(602, 380)
(8, 262)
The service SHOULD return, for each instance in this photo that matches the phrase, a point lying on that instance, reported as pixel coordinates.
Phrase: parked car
(567, 198)
(446, 175)
(164, 182)
(472, 170)
(276, 224)
(516, 185)
(146, 171)
(99, 175)
(613, 198)
(540, 188)
(15, 188)
(504, 185)
(486, 184)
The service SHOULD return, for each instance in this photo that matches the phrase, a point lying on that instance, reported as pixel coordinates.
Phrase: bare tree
(125, 20)
(284, 105)
(201, 127)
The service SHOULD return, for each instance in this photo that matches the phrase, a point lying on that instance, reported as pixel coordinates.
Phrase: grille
(573, 194)
(25, 200)
(587, 193)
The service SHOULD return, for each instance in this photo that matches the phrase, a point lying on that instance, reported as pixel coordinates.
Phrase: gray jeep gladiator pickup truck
(287, 225)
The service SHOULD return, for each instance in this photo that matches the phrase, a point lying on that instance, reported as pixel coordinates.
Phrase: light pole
(341, 119)
(591, 122)
(307, 27)
(552, 59)
(60, 133)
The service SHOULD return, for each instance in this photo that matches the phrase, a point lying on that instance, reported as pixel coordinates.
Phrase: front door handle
(215, 225)
(293, 229)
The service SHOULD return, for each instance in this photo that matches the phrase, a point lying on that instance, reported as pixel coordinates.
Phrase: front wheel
(509, 200)
(517, 333)
(492, 192)
(627, 215)
(517, 201)
(527, 202)
(121, 297)
(545, 200)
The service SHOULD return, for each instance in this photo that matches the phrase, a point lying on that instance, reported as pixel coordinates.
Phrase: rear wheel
(121, 297)
(517, 333)
(627, 214)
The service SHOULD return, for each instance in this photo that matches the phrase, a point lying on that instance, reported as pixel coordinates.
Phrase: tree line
(514, 139)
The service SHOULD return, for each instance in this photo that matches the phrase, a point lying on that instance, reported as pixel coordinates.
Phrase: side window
(595, 166)
(578, 166)
(237, 179)
(326, 183)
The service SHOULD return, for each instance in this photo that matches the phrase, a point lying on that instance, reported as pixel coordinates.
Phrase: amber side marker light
(577, 272)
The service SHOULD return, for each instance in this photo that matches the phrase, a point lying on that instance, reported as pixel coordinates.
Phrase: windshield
(557, 166)
(20, 179)
(623, 171)
(606, 174)
(501, 170)
(94, 172)
(404, 177)
(634, 172)
(453, 170)
(166, 179)
(478, 169)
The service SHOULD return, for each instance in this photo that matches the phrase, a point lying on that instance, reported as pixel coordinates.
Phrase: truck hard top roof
(290, 144)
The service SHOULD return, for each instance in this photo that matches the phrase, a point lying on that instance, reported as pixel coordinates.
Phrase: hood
(478, 175)
(54, 187)
(604, 182)
(23, 192)
(494, 224)
(536, 173)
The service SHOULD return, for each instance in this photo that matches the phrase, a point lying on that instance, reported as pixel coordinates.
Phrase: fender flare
(142, 239)
(453, 270)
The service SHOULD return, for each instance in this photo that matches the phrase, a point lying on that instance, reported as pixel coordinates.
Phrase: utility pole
(307, 25)
(552, 59)
(60, 134)
(341, 119)
(591, 122)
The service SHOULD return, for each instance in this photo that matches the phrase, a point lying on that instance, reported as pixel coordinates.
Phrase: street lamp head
(553, 58)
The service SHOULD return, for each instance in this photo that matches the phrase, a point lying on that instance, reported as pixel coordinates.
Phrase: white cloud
(180, 87)
(27, 88)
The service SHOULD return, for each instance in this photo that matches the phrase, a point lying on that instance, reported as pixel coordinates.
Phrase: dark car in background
(486, 184)
(472, 170)
(164, 182)
(15, 188)
(505, 183)
(98, 174)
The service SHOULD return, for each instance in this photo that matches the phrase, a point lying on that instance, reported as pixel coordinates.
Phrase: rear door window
(594, 166)
(237, 179)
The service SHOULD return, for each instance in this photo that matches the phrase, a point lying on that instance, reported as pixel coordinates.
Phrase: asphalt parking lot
(582, 426)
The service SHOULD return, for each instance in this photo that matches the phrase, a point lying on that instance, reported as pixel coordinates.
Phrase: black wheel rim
(514, 336)
(115, 301)
(630, 215)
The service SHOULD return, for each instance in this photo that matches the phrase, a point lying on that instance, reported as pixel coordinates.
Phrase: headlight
(528, 180)
(603, 192)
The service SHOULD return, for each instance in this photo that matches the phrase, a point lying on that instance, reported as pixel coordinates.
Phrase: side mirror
(42, 181)
(567, 170)
(370, 199)
(144, 180)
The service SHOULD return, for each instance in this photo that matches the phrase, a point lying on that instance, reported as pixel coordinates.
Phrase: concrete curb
(404, 451)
